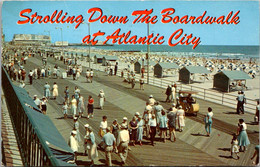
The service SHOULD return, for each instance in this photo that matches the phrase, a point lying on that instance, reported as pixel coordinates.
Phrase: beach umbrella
(252, 72)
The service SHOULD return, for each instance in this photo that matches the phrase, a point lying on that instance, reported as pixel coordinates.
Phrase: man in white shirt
(152, 128)
(87, 75)
(91, 75)
(122, 143)
(102, 130)
(37, 101)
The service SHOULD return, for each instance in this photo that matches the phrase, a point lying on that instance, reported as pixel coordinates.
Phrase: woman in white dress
(55, 91)
(73, 143)
(92, 151)
(78, 73)
(73, 104)
(101, 99)
(181, 118)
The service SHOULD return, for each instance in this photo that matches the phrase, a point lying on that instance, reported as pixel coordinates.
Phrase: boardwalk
(191, 147)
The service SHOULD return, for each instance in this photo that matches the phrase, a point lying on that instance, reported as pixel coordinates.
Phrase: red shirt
(91, 101)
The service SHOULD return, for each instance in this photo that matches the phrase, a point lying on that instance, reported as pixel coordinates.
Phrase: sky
(246, 32)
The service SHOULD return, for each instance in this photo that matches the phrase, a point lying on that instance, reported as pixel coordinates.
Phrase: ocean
(239, 52)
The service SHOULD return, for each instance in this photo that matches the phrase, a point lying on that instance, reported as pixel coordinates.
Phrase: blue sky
(244, 33)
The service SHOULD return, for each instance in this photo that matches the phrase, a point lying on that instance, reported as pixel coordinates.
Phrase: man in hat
(109, 143)
(122, 143)
(73, 143)
(125, 123)
(181, 118)
(137, 114)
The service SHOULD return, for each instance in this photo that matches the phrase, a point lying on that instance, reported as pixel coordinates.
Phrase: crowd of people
(154, 121)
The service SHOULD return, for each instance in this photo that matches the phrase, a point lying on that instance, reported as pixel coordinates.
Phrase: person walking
(122, 143)
(65, 109)
(66, 92)
(257, 112)
(181, 118)
(80, 105)
(73, 105)
(73, 143)
(168, 93)
(92, 151)
(240, 103)
(234, 146)
(115, 127)
(76, 93)
(55, 90)
(141, 83)
(74, 72)
(47, 92)
(103, 126)
(91, 75)
(76, 128)
(243, 140)
(102, 99)
(86, 138)
(31, 77)
(133, 81)
(116, 67)
(90, 107)
(208, 121)
(152, 128)
(140, 130)
(23, 74)
(172, 119)
(256, 154)
(109, 143)
(163, 126)
(173, 93)
(44, 105)
(133, 130)
(87, 75)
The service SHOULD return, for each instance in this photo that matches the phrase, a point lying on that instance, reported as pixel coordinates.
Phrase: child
(234, 146)
(65, 109)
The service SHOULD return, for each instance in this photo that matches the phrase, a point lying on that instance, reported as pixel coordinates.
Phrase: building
(138, 65)
(109, 60)
(186, 72)
(31, 39)
(98, 59)
(223, 79)
(160, 67)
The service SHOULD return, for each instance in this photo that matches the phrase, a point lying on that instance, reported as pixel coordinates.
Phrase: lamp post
(147, 55)
(89, 44)
(61, 38)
